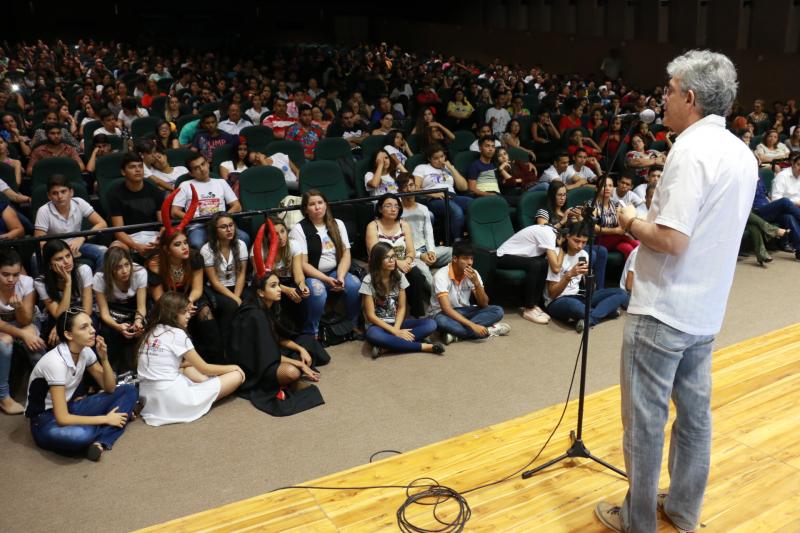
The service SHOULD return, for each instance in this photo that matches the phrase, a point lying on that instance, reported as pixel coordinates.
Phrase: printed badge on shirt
(208, 205)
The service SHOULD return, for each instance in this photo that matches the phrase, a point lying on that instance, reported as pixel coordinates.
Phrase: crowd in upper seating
(99, 135)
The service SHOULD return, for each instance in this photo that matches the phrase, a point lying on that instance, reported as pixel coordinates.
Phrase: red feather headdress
(265, 267)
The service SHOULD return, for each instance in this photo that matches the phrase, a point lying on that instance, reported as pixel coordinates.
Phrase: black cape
(254, 348)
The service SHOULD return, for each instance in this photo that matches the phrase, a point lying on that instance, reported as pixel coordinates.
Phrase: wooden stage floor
(754, 485)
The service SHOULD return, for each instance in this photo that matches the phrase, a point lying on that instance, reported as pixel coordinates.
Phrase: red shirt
(568, 122)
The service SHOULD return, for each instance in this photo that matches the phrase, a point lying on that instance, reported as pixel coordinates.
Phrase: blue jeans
(70, 439)
(458, 213)
(784, 213)
(314, 305)
(6, 353)
(96, 253)
(599, 260)
(483, 316)
(198, 237)
(604, 303)
(541, 186)
(420, 327)
(659, 361)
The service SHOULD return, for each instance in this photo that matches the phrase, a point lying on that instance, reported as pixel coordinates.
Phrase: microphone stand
(578, 448)
(619, 146)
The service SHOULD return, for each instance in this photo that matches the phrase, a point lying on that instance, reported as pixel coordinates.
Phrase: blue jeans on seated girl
(6, 353)
(420, 327)
(70, 439)
(314, 305)
(458, 212)
(483, 316)
(605, 302)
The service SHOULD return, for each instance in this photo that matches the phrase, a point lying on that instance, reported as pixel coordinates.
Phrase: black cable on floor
(435, 494)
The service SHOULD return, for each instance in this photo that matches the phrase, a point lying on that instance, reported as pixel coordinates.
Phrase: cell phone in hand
(581, 260)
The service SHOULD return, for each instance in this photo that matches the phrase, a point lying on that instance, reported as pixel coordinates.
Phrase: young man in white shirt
(578, 172)
(787, 182)
(109, 124)
(497, 116)
(531, 249)
(623, 194)
(64, 214)
(559, 170)
(653, 175)
(483, 131)
(157, 168)
(214, 195)
(456, 317)
(684, 271)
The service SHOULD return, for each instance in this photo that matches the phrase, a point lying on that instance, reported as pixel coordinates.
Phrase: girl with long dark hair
(384, 303)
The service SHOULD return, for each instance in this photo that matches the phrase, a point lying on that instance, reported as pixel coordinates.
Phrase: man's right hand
(479, 330)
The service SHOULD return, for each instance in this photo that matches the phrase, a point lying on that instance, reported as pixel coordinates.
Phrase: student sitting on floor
(564, 296)
(384, 301)
(455, 316)
(177, 385)
(64, 419)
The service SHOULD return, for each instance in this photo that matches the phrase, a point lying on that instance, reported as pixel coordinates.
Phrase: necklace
(177, 272)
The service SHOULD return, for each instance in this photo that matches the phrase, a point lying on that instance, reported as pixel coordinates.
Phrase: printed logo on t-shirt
(208, 204)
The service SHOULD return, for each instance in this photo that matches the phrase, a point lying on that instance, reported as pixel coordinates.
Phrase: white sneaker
(541, 311)
(535, 316)
(499, 330)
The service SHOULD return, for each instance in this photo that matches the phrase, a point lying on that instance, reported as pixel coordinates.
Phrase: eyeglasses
(390, 258)
(74, 310)
(393, 207)
(227, 226)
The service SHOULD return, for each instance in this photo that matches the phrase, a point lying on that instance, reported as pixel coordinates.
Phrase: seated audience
(579, 171)
(65, 214)
(279, 120)
(623, 195)
(482, 173)
(546, 137)
(347, 127)
(397, 148)
(176, 384)
(165, 138)
(134, 201)
(235, 122)
(439, 173)
(515, 177)
(610, 235)
(511, 138)
(53, 147)
(456, 317)
(280, 161)
(214, 195)
(771, 153)
(389, 227)
(62, 285)
(305, 132)
(321, 243)
(565, 299)
(120, 290)
(530, 249)
(381, 178)
(641, 160)
(17, 324)
(384, 302)
(209, 138)
(229, 170)
(484, 131)
(10, 223)
(63, 418)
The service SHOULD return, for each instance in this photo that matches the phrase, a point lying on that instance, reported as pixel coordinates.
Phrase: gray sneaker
(608, 514)
(579, 326)
(449, 338)
(499, 330)
(660, 499)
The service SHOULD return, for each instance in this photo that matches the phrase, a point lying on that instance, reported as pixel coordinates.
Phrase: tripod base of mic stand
(578, 449)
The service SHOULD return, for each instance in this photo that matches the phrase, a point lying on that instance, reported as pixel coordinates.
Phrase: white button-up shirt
(786, 185)
(705, 192)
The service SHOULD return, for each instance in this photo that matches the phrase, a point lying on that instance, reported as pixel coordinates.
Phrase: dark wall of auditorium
(565, 36)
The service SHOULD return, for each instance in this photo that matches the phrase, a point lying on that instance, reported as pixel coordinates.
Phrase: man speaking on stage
(684, 270)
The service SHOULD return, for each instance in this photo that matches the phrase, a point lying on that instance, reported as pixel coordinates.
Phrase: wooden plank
(754, 483)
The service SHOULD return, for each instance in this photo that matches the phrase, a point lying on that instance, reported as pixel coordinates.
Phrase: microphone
(647, 116)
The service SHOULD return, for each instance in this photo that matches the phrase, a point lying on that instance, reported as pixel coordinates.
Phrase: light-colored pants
(659, 361)
(444, 254)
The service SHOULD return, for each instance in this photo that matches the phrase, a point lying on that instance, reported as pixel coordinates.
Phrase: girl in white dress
(176, 384)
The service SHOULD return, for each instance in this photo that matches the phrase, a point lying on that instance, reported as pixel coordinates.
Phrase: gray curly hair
(710, 75)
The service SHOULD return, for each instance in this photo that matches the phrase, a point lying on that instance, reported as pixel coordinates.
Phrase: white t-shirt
(459, 293)
(228, 165)
(640, 190)
(214, 195)
(574, 285)
(327, 260)
(84, 280)
(630, 198)
(227, 267)
(585, 172)
(50, 221)
(630, 266)
(434, 178)
(176, 173)
(551, 174)
(474, 147)
(116, 133)
(56, 367)
(419, 220)
(531, 241)
(391, 150)
(281, 161)
(706, 192)
(138, 281)
(161, 354)
(23, 288)
(386, 185)
(786, 185)
(501, 119)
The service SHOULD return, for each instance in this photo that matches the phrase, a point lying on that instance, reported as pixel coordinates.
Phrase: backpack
(290, 218)
(335, 329)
